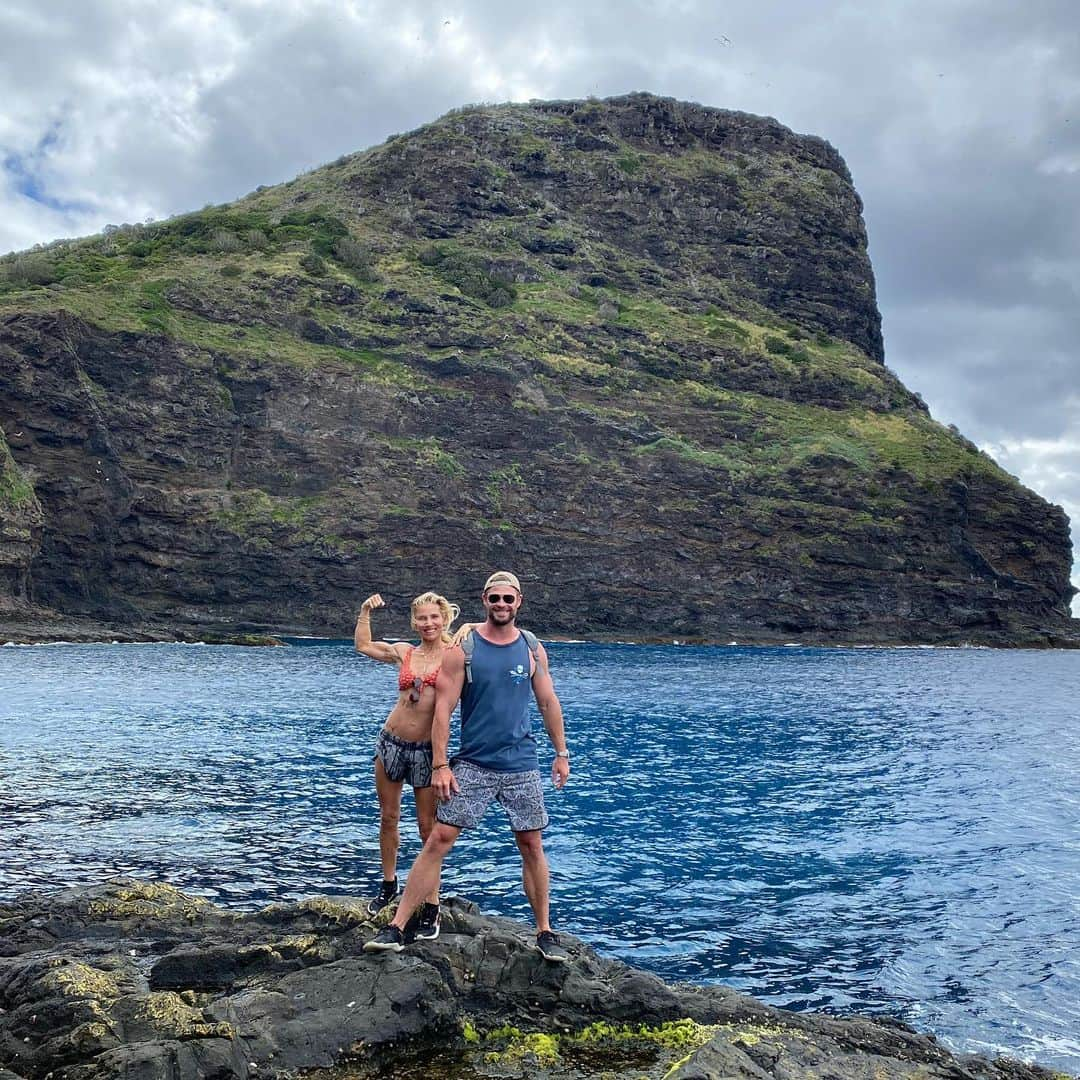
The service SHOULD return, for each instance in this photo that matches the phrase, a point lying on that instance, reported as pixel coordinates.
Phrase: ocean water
(875, 831)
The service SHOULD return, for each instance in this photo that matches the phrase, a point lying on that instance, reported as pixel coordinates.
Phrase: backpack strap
(534, 647)
(468, 644)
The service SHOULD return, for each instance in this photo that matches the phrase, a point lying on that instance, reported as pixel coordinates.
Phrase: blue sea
(875, 831)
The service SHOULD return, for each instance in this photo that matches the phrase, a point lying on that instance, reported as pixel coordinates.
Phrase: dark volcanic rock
(630, 348)
(141, 982)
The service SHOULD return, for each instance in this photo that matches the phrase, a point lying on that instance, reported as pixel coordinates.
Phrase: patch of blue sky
(24, 173)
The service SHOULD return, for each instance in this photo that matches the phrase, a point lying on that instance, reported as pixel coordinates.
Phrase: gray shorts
(401, 760)
(519, 793)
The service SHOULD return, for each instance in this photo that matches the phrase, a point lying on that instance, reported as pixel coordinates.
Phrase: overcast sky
(959, 120)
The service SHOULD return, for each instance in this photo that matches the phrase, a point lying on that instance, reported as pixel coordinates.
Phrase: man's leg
(424, 875)
(534, 875)
(476, 788)
(523, 797)
(423, 878)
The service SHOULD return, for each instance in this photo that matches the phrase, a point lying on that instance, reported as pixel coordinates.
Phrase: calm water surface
(875, 831)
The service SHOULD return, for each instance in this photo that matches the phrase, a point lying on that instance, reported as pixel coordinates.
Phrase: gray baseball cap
(503, 577)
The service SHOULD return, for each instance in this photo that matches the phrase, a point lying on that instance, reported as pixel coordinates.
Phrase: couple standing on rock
(493, 668)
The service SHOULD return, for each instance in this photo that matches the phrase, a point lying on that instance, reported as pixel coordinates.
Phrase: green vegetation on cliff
(15, 489)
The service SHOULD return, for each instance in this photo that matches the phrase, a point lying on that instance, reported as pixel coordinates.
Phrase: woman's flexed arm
(377, 650)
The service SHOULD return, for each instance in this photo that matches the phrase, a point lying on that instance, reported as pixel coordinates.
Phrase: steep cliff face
(629, 348)
(20, 532)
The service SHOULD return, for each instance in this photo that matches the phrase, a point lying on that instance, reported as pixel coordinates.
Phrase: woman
(403, 749)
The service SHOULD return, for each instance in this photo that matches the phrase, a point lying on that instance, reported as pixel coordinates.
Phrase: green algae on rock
(153, 899)
(600, 1048)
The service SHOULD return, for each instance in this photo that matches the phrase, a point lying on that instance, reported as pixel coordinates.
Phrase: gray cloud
(959, 120)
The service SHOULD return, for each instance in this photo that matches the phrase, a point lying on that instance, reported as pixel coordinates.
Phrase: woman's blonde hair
(448, 611)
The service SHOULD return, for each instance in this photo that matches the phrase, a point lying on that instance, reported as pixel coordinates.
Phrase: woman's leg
(425, 821)
(389, 793)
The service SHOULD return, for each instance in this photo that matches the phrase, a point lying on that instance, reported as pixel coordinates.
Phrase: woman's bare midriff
(411, 720)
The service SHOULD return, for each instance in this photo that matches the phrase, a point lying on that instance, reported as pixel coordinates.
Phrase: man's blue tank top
(496, 728)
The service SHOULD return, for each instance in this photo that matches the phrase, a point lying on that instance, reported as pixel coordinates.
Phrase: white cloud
(1051, 467)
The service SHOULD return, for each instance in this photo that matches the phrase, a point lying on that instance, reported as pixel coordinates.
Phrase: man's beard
(503, 620)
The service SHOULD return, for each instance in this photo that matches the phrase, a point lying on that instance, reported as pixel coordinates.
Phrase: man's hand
(444, 782)
(560, 772)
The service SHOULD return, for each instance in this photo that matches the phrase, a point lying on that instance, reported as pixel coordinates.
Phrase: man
(497, 758)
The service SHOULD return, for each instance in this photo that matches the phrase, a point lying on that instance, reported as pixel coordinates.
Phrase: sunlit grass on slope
(309, 232)
(784, 433)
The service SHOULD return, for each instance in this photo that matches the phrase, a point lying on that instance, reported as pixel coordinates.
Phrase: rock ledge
(139, 981)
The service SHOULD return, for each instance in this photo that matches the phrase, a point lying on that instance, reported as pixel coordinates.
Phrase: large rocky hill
(628, 348)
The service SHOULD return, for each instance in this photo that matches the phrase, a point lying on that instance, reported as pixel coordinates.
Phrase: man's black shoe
(387, 895)
(550, 947)
(427, 926)
(388, 939)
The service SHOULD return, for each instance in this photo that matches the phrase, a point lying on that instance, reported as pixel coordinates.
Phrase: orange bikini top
(407, 680)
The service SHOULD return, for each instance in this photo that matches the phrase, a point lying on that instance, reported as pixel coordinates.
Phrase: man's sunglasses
(494, 598)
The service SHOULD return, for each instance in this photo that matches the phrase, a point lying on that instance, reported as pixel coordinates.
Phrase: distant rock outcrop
(628, 347)
(136, 981)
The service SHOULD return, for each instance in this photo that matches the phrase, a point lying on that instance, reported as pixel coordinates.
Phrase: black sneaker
(427, 926)
(388, 939)
(387, 895)
(550, 948)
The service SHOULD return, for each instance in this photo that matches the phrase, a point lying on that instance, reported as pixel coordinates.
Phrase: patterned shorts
(519, 793)
(401, 760)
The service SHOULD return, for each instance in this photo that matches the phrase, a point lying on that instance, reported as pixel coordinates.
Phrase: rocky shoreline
(138, 981)
(45, 627)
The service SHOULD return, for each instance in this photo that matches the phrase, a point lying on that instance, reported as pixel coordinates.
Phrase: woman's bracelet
(444, 765)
